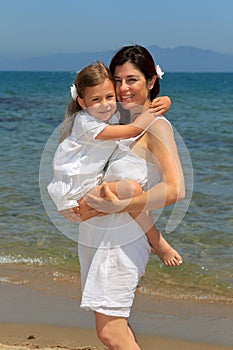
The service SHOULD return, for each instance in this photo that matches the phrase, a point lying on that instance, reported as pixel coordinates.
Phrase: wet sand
(27, 336)
(44, 312)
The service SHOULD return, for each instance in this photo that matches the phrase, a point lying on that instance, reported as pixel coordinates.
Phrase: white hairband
(73, 92)
(159, 71)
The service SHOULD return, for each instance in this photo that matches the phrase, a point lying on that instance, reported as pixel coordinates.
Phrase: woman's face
(131, 86)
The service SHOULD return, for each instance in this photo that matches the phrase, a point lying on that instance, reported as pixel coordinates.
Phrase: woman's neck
(138, 109)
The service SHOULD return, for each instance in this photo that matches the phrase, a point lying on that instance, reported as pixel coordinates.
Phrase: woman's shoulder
(160, 121)
(162, 118)
(160, 126)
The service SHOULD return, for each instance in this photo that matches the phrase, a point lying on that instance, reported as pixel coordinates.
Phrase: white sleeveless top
(120, 229)
(124, 164)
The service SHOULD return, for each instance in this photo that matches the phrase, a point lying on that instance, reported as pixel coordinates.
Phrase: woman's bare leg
(114, 332)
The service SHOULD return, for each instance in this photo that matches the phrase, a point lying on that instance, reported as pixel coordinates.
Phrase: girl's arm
(117, 132)
(160, 105)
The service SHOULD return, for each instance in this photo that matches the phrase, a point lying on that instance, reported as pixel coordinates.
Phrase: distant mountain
(192, 59)
(179, 59)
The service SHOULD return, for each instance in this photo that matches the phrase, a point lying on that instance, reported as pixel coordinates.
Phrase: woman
(113, 250)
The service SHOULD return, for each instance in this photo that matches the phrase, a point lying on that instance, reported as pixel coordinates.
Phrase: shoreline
(53, 278)
(28, 311)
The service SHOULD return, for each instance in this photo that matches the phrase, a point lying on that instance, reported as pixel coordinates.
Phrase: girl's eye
(110, 97)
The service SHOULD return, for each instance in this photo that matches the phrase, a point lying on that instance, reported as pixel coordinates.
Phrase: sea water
(32, 106)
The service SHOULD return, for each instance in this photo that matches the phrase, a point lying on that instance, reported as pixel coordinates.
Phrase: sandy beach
(27, 336)
(44, 313)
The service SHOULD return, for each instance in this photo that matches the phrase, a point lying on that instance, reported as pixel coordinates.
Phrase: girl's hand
(81, 212)
(85, 211)
(108, 203)
(71, 214)
(160, 105)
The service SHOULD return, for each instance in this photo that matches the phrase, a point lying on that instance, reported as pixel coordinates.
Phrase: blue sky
(41, 27)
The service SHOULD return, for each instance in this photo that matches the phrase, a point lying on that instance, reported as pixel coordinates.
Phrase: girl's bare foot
(168, 255)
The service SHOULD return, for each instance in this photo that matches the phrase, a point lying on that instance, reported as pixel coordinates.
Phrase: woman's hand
(160, 105)
(107, 203)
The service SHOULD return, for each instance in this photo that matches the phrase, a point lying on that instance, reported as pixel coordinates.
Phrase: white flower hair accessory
(73, 92)
(159, 72)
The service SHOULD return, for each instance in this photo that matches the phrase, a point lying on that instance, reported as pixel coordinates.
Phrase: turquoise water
(32, 105)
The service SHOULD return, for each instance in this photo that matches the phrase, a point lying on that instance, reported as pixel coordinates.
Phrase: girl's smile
(100, 100)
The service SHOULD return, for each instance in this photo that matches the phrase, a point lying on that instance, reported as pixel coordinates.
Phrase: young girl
(87, 142)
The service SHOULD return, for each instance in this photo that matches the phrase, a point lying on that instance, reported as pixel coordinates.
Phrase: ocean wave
(185, 294)
(19, 259)
(7, 280)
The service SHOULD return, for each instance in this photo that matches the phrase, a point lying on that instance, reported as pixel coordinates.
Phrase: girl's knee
(128, 189)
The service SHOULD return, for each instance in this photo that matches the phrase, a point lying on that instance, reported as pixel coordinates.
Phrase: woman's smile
(131, 85)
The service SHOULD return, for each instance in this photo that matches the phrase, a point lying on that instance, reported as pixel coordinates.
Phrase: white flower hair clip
(159, 72)
(73, 92)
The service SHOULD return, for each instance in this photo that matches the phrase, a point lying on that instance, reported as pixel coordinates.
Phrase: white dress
(79, 161)
(113, 249)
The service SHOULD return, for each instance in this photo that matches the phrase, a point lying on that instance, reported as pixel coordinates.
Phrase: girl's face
(100, 100)
(131, 86)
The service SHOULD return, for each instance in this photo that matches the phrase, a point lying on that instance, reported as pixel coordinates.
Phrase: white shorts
(109, 276)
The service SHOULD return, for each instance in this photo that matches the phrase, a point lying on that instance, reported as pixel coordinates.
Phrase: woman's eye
(128, 81)
(132, 80)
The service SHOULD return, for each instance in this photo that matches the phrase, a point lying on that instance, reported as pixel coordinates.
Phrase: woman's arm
(171, 189)
(161, 143)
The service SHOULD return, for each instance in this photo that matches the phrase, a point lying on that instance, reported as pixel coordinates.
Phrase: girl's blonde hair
(92, 75)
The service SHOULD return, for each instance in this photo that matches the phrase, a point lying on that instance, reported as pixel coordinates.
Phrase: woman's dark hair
(141, 58)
